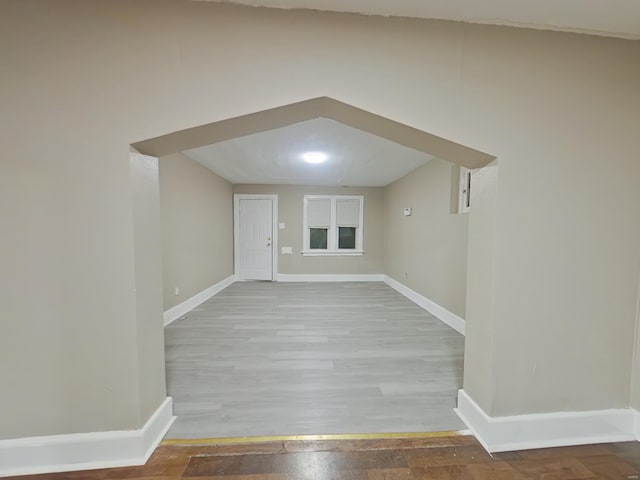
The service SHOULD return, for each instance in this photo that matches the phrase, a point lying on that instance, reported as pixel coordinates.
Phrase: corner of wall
(426, 250)
(385, 226)
(86, 451)
(479, 362)
(454, 207)
(148, 277)
(197, 223)
(634, 400)
(558, 429)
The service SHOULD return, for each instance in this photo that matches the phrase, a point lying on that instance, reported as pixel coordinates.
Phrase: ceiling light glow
(315, 157)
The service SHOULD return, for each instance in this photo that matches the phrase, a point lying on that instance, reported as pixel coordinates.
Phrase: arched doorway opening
(227, 369)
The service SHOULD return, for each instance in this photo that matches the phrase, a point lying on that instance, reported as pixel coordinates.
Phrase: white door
(255, 239)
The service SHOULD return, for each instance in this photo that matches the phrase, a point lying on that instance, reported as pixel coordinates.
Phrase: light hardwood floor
(263, 358)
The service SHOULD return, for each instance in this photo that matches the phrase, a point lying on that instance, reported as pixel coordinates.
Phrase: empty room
(320, 239)
(300, 252)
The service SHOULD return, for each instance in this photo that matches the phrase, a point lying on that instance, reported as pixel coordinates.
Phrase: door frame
(274, 234)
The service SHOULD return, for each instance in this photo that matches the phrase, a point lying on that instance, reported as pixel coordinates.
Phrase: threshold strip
(291, 438)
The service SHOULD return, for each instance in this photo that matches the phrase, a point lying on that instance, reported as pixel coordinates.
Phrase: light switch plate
(407, 212)
(287, 250)
(282, 226)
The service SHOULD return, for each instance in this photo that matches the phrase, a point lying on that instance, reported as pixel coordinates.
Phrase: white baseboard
(86, 451)
(522, 432)
(450, 318)
(182, 308)
(636, 424)
(311, 277)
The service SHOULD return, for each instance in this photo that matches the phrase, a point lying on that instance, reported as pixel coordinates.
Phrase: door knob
(268, 244)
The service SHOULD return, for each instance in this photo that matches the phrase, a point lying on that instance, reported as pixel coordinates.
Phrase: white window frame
(332, 233)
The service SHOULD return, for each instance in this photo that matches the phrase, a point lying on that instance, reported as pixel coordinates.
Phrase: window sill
(337, 253)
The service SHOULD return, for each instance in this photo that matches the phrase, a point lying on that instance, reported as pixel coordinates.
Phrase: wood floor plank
(378, 444)
(391, 474)
(482, 471)
(609, 467)
(444, 456)
(559, 467)
(161, 464)
(227, 449)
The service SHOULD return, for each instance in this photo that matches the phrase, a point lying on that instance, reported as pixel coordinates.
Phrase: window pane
(319, 212)
(347, 237)
(318, 238)
(348, 213)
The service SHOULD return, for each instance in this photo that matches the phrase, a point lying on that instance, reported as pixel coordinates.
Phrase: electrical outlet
(177, 291)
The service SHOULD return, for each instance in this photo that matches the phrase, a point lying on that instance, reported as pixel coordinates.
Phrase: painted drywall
(290, 211)
(480, 307)
(148, 274)
(635, 394)
(197, 228)
(427, 251)
(635, 373)
(83, 80)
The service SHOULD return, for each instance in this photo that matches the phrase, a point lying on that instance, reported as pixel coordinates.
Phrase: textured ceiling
(616, 18)
(356, 158)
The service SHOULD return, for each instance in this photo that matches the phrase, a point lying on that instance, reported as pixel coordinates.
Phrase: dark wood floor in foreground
(459, 457)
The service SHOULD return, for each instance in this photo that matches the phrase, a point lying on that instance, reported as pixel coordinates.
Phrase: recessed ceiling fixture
(315, 157)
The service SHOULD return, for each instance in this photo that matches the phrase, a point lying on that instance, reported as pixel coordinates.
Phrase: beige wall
(480, 307)
(290, 198)
(560, 111)
(427, 251)
(635, 380)
(635, 394)
(197, 228)
(148, 274)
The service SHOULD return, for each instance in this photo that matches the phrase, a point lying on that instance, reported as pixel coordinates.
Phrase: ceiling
(615, 18)
(356, 158)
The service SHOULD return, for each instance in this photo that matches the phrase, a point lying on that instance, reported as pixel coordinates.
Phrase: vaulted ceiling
(354, 157)
(615, 18)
